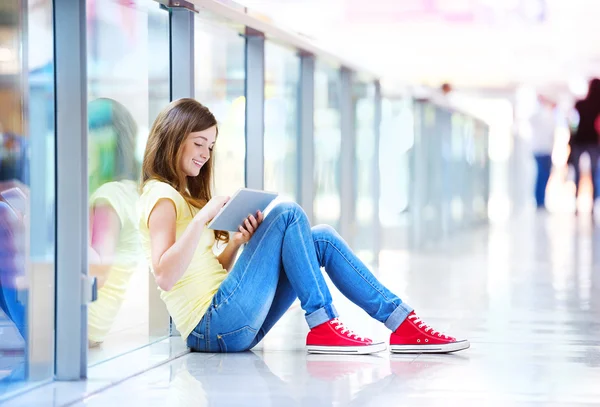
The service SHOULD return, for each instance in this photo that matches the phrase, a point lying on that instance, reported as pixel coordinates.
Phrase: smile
(198, 163)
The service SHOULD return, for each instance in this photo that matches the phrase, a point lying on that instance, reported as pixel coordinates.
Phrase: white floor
(527, 295)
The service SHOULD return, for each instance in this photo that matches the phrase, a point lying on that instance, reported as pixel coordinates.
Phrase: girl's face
(197, 149)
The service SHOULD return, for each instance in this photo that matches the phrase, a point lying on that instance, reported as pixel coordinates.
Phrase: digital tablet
(243, 203)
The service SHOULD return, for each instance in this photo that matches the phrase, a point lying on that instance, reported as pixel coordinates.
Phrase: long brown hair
(117, 162)
(164, 148)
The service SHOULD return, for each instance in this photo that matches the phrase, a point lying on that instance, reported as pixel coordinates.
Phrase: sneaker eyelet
(418, 341)
(426, 340)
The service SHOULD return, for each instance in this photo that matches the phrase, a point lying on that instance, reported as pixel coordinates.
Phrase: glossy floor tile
(102, 376)
(527, 295)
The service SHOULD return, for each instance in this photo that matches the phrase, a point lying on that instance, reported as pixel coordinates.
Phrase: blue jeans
(282, 262)
(544, 166)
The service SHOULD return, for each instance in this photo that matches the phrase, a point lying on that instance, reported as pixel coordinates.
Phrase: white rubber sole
(446, 348)
(347, 350)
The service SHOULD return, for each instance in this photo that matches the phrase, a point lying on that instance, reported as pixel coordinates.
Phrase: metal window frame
(70, 60)
(306, 127)
(254, 82)
(181, 43)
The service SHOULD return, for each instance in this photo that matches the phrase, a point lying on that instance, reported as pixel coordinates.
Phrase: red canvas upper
(334, 333)
(413, 331)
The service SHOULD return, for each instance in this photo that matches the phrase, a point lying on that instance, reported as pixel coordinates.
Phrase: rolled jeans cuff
(321, 316)
(398, 316)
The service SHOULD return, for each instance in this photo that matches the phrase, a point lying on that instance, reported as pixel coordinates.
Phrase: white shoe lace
(345, 331)
(425, 327)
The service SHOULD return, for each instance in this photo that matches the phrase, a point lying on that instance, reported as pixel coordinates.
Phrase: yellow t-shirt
(190, 297)
(122, 197)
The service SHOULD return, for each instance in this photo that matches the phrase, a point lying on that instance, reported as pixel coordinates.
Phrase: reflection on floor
(526, 294)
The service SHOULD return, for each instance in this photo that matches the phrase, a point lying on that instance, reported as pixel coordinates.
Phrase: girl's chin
(193, 174)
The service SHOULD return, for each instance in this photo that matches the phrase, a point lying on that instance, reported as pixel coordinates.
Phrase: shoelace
(345, 331)
(425, 327)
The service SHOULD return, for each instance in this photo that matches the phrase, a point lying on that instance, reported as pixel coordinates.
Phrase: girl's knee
(323, 232)
(287, 206)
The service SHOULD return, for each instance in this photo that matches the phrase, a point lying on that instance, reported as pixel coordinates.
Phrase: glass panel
(364, 102)
(128, 84)
(282, 77)
(27, 194)
(395, 145)
(328, 139)
(220, 76)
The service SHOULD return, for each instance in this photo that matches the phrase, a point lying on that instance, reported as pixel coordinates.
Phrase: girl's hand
(210, 210)
(247, 229)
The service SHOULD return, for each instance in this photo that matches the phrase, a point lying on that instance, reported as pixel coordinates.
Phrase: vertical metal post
(71, 188)
(306, 126)
(255, 108)
(376, 174)
(39, 265)
(181, 38)
(348, 183)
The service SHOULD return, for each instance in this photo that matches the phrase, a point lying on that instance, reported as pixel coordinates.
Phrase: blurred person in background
(585, 135)
(543, 127)
(14, 238)
(13, 291)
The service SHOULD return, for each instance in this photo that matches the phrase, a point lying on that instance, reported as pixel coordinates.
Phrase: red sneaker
(334, 338)
(415, 336)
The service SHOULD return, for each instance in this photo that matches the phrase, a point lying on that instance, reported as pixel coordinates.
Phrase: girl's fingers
(249, 226)
(253, 221)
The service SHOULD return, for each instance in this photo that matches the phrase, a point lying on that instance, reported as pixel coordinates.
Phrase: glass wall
(220, 85)
(27, 194)
(364, 124)
(128, 84)
(327, 145)
(449, 172)
(464, 175)
(282, 80)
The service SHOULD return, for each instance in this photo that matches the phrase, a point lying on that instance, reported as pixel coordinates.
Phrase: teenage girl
(222, 305)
